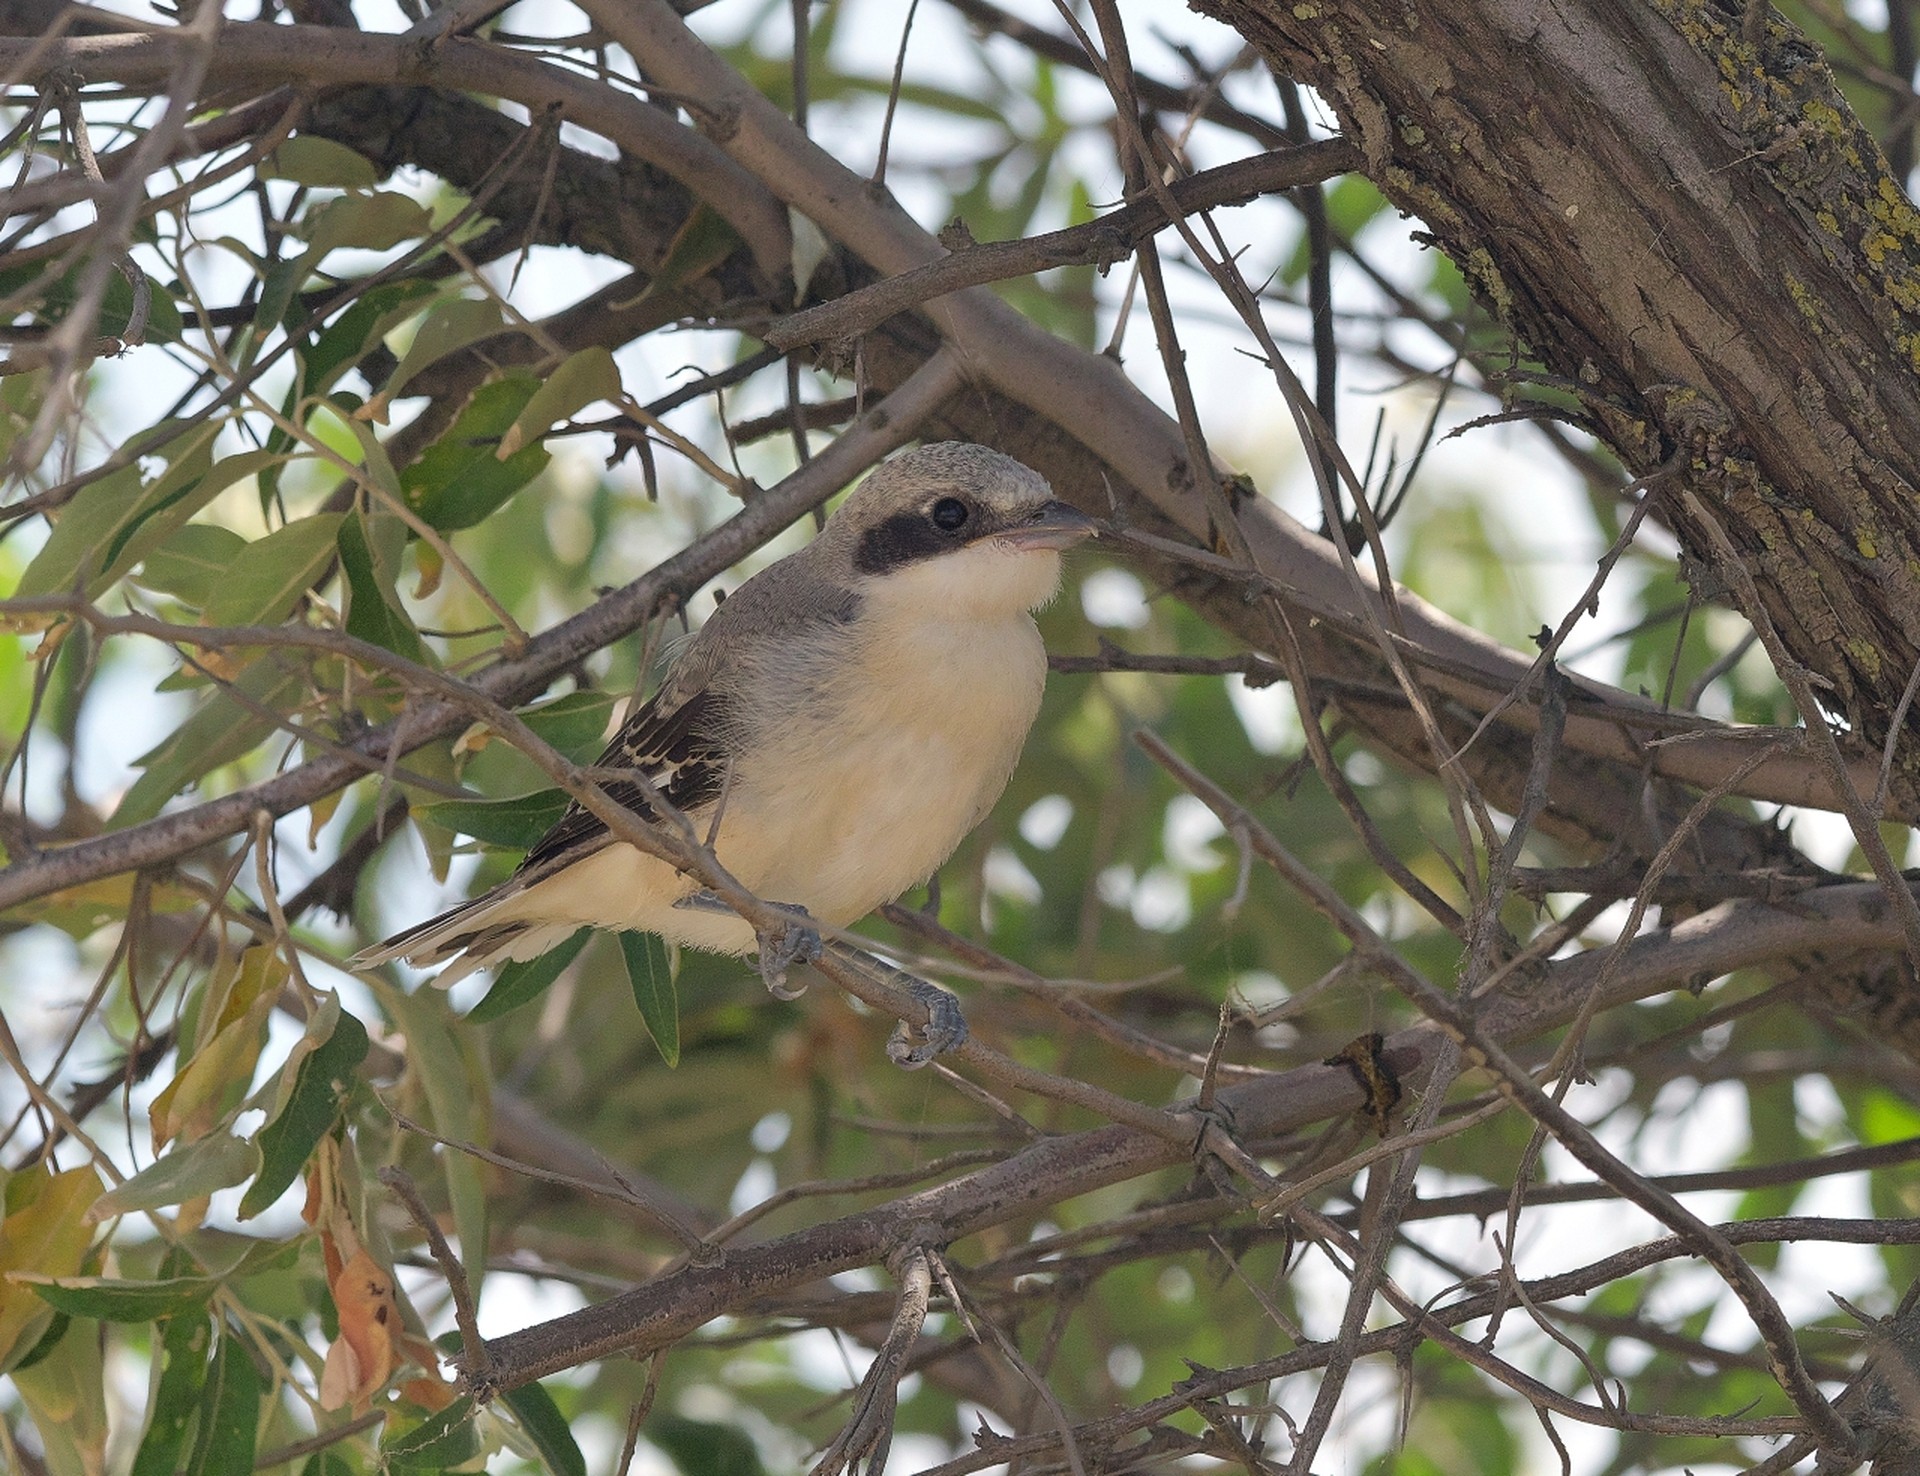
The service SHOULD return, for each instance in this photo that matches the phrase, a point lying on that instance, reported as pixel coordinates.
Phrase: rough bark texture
(1699, 240)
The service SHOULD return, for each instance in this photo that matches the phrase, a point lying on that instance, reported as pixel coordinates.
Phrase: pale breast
(877, 781)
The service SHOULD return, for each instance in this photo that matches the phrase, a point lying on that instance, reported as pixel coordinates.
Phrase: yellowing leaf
(432, 568)
(376, 221)
(361, 1359)
(215, 1079)
(45, 1232)
(90, 906)
(320, 812)
(312, 160)
(65, 1392)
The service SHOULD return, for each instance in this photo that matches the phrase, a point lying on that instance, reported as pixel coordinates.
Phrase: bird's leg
(793, 942)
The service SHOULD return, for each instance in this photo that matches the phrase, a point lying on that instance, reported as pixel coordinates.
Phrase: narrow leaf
(192, 1171)
(229, 1031)
(459, 481)
(106, 1300)
(578, 381)
(289, 1139)
(46, 1231)
(370, 559)
(437, 1443)
(540, 1417)
(312, 160)
(221, 730)
(264, 584)
(447, 328)
(229, 1415)
(375, 221)
(357, 331)
(443, 1052)
(516, 823)
(110, 525)
(576, 724)
(193, 563)
(184, 1342)
(65, 1392)
(516, 984)
(650, 970)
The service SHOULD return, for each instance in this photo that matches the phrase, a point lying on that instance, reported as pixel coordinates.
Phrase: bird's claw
(794, 942)
(945, 1030)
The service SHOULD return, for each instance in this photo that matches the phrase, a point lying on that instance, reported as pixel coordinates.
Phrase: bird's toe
(793, 942)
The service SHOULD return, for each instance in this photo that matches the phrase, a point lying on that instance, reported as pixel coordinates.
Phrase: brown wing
(678, 750)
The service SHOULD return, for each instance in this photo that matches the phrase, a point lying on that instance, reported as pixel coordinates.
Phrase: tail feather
(473, 935)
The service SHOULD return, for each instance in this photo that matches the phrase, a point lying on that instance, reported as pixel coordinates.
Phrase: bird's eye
(950, 514)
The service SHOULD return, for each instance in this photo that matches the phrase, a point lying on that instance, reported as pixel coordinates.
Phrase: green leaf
(704, 240)
(311, 1108)
(547, 1428)
(105, 1300)
(217, 1161)
(322, 163)
(229, 1414)
(460, 480)
(370, 548)
(699, 1448)
(516, 984)
(110, 525)
(651, 970)
(53, 301)
(576, 724)
(437, 1443)
(444, 1055)
(576, 382)
(377, 220)
(193, 563)
(184, 1343)
(221, 730)
(65, 1392)
(278, 284)
(49, 1340)
(264, 584)
(448, 327)
(351, 336)
(515, 823)
(92, 518)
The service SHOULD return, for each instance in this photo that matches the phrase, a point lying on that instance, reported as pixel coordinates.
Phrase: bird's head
(961, 527)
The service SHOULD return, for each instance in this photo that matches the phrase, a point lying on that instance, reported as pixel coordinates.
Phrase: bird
(836, 728)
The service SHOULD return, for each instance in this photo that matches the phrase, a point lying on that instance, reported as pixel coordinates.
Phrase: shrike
(847, 715)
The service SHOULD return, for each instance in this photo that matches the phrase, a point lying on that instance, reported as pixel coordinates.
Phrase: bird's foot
(794, 942)
(945, 1030)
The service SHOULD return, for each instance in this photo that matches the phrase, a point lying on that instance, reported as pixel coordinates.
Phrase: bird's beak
(1055, 525)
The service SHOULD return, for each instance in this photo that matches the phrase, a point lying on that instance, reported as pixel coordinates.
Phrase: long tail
(474, 935)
